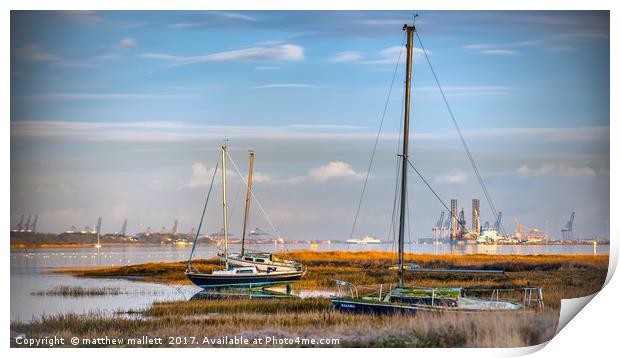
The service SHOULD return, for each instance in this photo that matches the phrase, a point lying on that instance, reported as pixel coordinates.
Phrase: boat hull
(265, 280)
(378, 308)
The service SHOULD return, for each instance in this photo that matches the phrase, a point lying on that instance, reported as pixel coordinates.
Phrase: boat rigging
(402, 299)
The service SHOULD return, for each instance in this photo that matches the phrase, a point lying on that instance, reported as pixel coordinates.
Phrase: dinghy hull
(264, 280)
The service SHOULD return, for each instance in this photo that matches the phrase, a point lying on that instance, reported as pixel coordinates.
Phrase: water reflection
(239, 293)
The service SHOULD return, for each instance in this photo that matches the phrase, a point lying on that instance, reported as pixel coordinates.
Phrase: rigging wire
(260, 206)
(458, 129)
(392, 231)
(374, 149)
(453, 215)
(204, 209)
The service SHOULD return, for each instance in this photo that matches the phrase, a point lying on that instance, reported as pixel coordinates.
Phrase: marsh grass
(79, 291)
(307, 318)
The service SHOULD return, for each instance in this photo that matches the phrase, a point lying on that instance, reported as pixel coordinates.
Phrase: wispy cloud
(287, 85)
(562, 48)
(281, 52)
(334, 170)
(347, 56)
(95, 96)
(35, 53)
(214, 18)
(126, 43)
(85, 16)
(468, 90)
(388, 55)
(266, 68)
(179, 132)
(482, 46)
(499, 52)
(555, 170)
(453, 178)
(502, 49)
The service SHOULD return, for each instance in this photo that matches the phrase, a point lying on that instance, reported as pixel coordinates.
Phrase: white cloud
(332, 170)
(280, 52)
(259, 177)
(201, 176)
(386, 56)
(347, 56)
(108, 57)
(556, 170)
(35, 53)
(451, 178)
(86, 16)
(126, 43)
(94, 96)
(468, 90)
(562, 48)
(482, 46)
(234, 15)
(499, 52)
(287, 85)
(266, 68)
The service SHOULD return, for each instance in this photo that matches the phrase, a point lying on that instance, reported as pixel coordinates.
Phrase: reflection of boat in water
(365, 240)
(246, 275)
(401, 298)
(228, 293)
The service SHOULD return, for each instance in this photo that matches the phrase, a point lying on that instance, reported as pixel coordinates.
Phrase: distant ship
(365, 240)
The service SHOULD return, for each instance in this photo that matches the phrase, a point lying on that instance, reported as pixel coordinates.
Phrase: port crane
(437, 230)
(498, 222)
(567, 231)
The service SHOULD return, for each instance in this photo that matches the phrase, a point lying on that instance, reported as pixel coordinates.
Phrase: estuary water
(30, 272)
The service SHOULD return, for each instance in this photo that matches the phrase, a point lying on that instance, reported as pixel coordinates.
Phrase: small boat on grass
(262, 261)
(244, 275)
(400, 298)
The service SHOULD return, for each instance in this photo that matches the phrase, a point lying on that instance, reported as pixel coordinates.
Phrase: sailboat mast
(247, 203)
(404, 155)
(225, 208)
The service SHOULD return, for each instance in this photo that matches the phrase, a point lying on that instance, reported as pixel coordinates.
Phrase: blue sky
(120, 114)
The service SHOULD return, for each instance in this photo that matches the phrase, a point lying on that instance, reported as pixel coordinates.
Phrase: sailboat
(401, 298)
(232, 276)
(262, 261)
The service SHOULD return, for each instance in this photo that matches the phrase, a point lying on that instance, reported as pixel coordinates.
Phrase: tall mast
(225, 208)
(247, 203)
(404, 155)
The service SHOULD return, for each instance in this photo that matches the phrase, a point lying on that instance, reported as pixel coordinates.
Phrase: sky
(121, 114)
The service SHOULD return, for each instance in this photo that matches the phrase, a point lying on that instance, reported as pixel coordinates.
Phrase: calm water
(29, 269)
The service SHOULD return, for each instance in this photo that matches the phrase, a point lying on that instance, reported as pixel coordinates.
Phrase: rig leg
(288, 289)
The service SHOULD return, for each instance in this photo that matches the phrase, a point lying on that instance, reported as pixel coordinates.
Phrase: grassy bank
(79, 291)
(307, 318)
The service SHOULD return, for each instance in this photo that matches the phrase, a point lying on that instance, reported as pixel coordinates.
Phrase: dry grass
(308, 318)
(78, 291)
